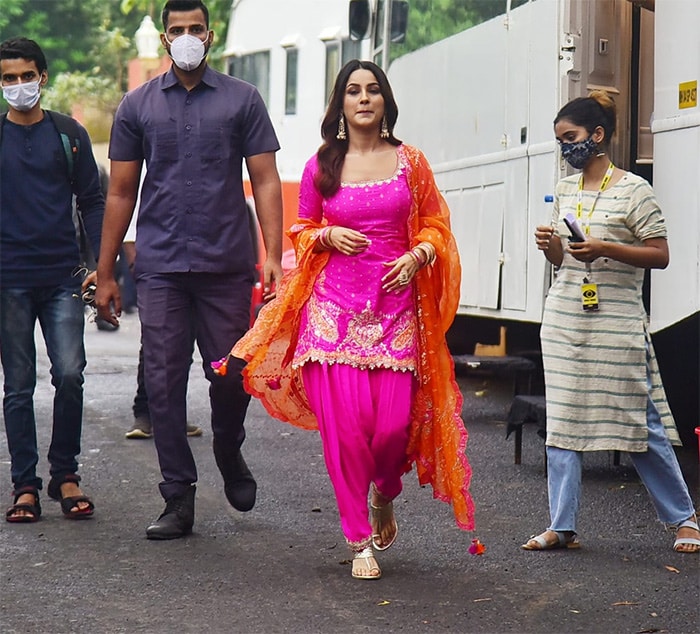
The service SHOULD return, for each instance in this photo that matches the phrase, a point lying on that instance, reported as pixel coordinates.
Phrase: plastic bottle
(549, 200)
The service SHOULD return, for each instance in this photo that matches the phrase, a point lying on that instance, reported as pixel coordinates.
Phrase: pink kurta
(349, 317)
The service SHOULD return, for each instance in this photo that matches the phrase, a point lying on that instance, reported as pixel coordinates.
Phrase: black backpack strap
(70, 139)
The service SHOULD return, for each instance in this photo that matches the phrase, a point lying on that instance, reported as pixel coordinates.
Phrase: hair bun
(603, 98)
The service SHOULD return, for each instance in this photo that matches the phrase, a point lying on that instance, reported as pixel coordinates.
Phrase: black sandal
(69, 503)
(34, 510)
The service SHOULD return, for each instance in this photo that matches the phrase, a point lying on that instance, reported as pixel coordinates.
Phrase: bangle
(420, 256)
(416, 258)
(428, 250)
(324, 238)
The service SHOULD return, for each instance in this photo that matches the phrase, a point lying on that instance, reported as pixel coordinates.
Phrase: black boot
(177, 519)
(239, 484)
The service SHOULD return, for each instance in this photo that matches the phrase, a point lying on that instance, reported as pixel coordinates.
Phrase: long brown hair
(331, 154)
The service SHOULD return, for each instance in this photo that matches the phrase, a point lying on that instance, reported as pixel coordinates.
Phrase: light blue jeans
(657, 467)
(61, 316)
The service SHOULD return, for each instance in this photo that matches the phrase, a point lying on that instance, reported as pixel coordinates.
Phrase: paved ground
(283, 567)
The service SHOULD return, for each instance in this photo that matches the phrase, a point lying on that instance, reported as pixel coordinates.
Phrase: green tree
(11, 10)
(66, 30)
(147, 6)
(433, 20)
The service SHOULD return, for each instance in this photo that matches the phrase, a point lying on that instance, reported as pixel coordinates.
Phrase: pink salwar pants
(363, 418)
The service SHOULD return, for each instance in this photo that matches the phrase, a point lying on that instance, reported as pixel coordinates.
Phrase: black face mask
(578, 154)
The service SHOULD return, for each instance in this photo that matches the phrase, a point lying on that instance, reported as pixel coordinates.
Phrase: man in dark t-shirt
(192, 127)
(39, 278)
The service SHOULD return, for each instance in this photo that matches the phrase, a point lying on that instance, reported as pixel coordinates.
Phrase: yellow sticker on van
(688, 94)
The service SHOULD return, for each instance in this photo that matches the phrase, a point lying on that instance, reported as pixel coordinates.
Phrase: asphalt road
(283, 567)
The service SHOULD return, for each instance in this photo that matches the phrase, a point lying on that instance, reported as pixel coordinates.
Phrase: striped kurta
(595, 362)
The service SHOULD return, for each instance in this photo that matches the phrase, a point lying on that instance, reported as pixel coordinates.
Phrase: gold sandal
(365, 566)
(380, 517)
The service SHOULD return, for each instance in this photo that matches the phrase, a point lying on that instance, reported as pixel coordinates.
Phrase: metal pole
(387, 34)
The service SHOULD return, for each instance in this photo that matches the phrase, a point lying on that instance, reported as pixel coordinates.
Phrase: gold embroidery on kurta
(363, 344)
(406, 335)
(323, 319)
(365, 329)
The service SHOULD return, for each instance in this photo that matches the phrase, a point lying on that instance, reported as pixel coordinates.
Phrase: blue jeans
(657, 467)
(61, 316)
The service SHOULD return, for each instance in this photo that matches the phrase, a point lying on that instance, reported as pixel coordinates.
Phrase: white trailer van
(481, 103)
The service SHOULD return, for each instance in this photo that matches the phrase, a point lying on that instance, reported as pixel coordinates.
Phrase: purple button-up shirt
(193, 215)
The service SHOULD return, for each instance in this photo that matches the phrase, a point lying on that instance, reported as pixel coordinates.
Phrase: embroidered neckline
(400, 166)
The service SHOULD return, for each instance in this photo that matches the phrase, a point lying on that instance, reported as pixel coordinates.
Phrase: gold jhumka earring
(384, 130)
(341, 136)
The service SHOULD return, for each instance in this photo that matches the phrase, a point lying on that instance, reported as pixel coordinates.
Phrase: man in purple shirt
(194, 266)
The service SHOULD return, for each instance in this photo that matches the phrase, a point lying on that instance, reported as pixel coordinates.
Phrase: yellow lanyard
(579, 201)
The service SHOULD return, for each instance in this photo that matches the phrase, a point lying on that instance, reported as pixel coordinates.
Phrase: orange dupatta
(438, 437)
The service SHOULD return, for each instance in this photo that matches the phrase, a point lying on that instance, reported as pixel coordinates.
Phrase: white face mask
(22, 96)
(187, 51)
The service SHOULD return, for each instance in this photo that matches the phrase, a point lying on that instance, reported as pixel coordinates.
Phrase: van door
(601, 33)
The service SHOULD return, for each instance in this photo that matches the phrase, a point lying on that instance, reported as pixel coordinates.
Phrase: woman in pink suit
(354, 343)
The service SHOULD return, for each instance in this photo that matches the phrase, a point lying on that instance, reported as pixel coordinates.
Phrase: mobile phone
(572, 225)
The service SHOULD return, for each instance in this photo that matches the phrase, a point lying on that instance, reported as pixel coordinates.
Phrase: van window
(338, 53)
(290, 92)
(255, 69)
(430, 21)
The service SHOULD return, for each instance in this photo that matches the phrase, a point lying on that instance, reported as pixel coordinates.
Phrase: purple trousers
(171, 305)
(364, 418)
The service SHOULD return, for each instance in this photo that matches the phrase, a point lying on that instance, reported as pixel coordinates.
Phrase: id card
(589, 296)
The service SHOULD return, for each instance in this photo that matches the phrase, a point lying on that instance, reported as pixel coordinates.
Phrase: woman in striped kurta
(604, 391)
